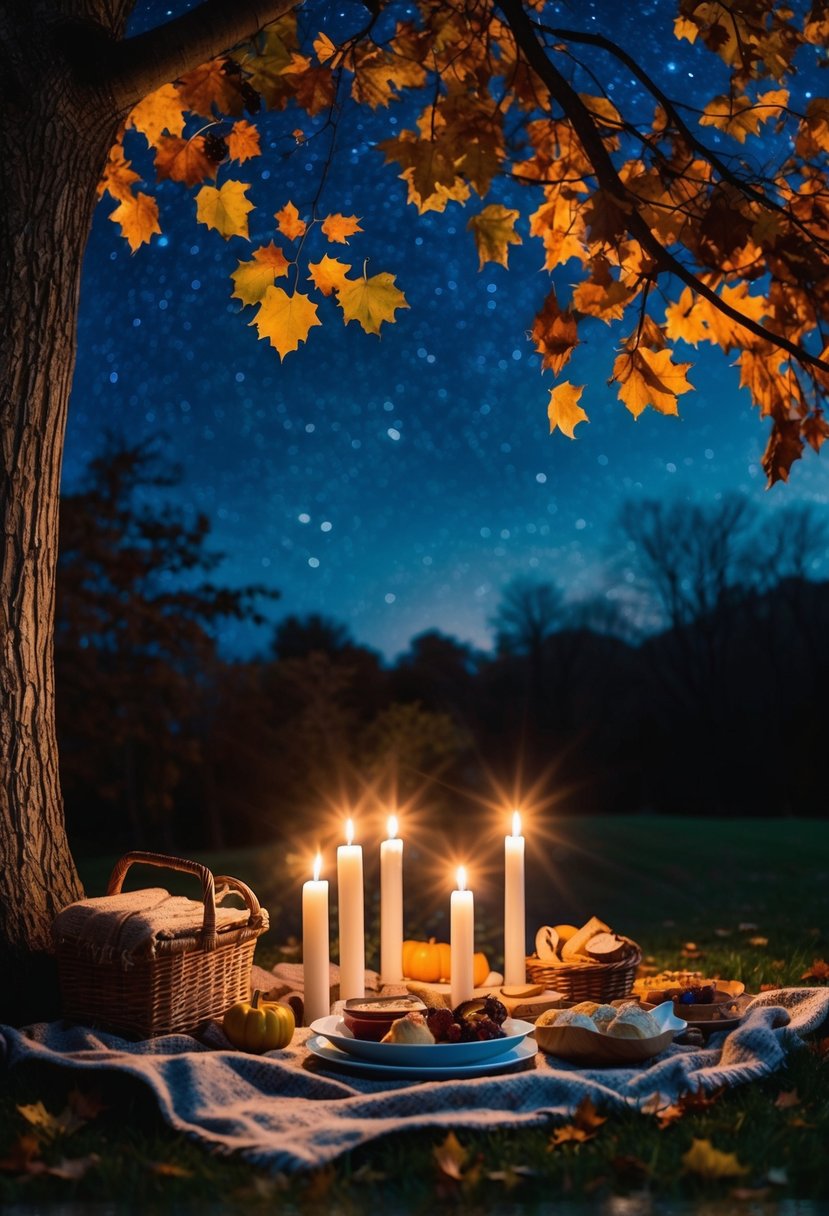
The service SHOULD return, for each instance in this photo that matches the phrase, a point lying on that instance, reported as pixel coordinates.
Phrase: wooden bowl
(726, 992)
(581, 1046)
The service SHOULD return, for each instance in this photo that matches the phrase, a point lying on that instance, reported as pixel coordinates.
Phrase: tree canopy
(675, 221)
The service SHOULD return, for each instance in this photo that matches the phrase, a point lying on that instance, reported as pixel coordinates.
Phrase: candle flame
(349, 831)
(461, 878)
(317, 867)
(392, 827)
(516, 823)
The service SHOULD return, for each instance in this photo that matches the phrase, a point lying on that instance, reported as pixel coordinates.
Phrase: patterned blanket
(288, 1111)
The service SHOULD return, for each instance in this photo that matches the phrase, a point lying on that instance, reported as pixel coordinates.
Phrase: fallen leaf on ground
(819, 970)
(451, 1157)
(511, 1175)
(709, 1162)
(22, 1152)
(585, 1125)
(169, 1169)
(758, 941)
(787, 1098)
(49, 1126)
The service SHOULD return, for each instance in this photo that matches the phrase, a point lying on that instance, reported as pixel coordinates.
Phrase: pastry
(411, 1029)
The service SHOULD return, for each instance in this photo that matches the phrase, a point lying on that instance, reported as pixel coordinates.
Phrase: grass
(665, 881)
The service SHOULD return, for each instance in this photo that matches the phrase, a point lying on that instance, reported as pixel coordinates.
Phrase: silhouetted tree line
(699, 687)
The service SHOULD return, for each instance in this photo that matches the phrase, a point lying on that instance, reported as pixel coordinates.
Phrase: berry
(495, 1010)
(440, 1022)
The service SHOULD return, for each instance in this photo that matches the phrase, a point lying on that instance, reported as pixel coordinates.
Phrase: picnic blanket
(286, 1111)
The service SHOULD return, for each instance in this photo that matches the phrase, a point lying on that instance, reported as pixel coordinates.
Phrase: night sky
(397, 484)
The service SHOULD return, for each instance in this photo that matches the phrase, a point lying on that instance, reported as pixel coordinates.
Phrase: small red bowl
(371, 1017)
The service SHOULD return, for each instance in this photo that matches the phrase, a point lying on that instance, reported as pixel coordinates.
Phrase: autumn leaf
(819, 970)
(451, 1157)
(494, 232)
(328, 275)
(160, 111)
(119, 176)
(210, 85)
(138, 218)
(563, 410)
(648, 377)
(252, 279)
(243, 141)
(784, 447)
(786, 1099)
(740, 116)
(585, 1125)
(370, 302)
(326, 50)
(338, 228)
(289, 223)
(225, 209)
(48, 1126)
(285, 320)
(709, 1162)
(183, 160)
(684, 321)
(758, 941)
(169, 1169)
(555, 334)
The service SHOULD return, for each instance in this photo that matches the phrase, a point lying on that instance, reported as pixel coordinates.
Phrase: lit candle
(515, 944)
(315, 962)
(391, 906)
(350, 905)
(462, 939)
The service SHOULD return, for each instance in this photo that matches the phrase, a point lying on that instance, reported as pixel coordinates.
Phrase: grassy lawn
(666, 882)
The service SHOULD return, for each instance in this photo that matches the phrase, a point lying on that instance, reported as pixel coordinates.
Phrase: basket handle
(208, 930)
(226, 884)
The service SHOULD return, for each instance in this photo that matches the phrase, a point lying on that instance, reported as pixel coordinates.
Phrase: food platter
(420, 1055)
(582, 1046)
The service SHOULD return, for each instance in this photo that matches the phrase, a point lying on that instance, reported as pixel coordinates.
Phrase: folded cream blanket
(287, 1111)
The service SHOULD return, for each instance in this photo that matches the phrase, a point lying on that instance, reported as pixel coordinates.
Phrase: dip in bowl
(371, 1017)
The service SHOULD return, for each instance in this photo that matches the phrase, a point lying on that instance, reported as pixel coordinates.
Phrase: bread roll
(603, 1016)
(569, 1017)
(588, 1007)
(633, 1023)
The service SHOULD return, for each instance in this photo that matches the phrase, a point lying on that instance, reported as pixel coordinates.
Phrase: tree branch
(608, 178)
(141, 64)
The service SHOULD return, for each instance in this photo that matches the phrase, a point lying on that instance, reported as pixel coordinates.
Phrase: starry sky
(396, 483)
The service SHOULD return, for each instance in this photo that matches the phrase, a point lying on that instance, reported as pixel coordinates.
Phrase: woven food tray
(182, 984)
(601, 982)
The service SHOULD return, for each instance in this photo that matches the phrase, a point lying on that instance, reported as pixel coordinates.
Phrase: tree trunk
(54, 138)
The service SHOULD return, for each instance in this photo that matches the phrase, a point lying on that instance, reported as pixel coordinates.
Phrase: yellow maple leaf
(138, 217)
(564, 410)
(252, 279)
(722, 329)
(285, 320)
(243, 141)
(683, 320)
(338, 228)
(159, 111)
(648, 377)
(451, 1157)
(372, 301)
(183, 160)
(494, 232)
(225, 209)
(119, 176)
(328, 275)
(709, 1162)
(740, 116)
(325, 49)
(289, 223)
(684, 28)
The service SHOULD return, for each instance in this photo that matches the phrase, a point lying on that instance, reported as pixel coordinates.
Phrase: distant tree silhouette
(296, 637)
(137, 608)
(528, 614)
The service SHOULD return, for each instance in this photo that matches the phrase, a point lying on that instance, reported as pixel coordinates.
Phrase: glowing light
(461, 878)
(516, 823)
(391, 827)
(317, 867)
(349, 831)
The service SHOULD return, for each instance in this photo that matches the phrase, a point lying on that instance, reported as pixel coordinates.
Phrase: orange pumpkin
(430, 962)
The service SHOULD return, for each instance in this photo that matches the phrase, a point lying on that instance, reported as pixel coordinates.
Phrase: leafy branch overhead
(705, 222)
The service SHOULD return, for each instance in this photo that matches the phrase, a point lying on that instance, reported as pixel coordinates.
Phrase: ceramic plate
(320, 1046)
(420, 1055)
(582, 1046)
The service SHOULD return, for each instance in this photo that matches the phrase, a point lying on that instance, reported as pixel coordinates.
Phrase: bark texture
(60, 108)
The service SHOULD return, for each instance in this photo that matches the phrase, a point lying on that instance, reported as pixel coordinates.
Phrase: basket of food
(145, 963)
(591, 963)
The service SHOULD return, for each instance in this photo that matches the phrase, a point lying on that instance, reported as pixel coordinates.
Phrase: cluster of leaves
(665, 236)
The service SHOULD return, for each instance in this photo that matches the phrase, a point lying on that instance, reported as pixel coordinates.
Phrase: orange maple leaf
(225, 209)
(647, 377)
(138, 217)
(819, 970)
(162, 110)
(328, 275)
(119, 177)
(251, 279)
(243, 141)
(338, 228)
(210, 85)
(563, 410)
(555, 334)
(494, 232)
(285, 320)
(289, 223)
(183, 160)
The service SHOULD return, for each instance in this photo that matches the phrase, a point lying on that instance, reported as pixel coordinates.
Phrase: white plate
(421, 1055)
(525, 1049)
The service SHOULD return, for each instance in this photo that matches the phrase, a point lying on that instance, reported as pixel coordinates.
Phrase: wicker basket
(601, 982)
(185, 983)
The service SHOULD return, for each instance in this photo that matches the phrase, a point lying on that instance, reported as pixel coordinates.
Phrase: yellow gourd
(430, 962)
(259, 1025)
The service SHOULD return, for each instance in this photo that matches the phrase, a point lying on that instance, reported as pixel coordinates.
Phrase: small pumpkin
(430, 962)
(258, 1025)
